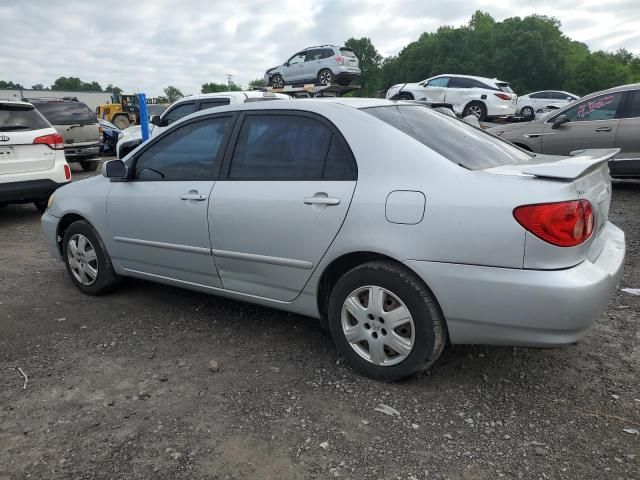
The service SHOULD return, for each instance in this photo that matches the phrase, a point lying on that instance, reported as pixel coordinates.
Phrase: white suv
(32, 161)
(130, 138)
(483, 97)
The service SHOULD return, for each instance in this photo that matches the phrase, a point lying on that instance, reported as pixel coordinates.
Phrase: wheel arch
(475, 100)
(63, 224)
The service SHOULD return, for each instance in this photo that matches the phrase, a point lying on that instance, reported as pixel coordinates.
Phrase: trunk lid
(350, 59)
(79, 135)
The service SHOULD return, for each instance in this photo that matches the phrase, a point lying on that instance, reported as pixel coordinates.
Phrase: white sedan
(531, 103)
(483, 97)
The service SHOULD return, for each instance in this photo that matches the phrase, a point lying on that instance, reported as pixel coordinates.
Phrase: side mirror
(570, 99)
(114, 169)
(155, 120)
(559, 120)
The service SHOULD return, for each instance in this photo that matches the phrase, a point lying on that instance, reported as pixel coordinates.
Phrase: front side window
(438, 82)
(603, 107)
(179, 111)
(297, 58)
(189, 152)
(280, 147)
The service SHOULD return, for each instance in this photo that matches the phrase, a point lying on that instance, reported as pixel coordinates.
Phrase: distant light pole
(229, 77)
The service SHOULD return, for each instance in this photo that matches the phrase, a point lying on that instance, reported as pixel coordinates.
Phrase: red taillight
(565, 224)
(53, 141)
(67, 172)
(339, 59)
(503, 96)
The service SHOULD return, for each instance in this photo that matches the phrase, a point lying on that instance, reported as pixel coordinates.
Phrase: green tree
(172, 94)
(220, 87)
(257, 83)
(10, 85)
(370, 65)
(38, 86)
(113, 89)
(75, 84)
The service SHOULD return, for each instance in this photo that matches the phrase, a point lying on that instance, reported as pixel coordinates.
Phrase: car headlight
(50, 201)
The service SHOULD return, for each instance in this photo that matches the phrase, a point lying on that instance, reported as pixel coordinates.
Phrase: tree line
(64, 83)
(531, 53)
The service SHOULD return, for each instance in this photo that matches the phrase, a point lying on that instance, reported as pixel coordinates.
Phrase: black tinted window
(20, 117)
(215, 102)
(66, 113)
(176, 113)
(188, 153)
(339, 164)
(603, 107)
(280, 146)
(633, 107)
(452, 138)
(457, 82)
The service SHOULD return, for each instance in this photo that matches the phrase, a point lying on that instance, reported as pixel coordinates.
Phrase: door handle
(322, 201)
(603, 129)
(193, 196)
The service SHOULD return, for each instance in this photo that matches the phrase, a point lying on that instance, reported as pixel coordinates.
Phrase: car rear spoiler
(574, 166)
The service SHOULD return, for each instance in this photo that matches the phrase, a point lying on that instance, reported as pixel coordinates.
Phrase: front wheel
(385, 321)
(87, 260)
(89, 165)
(277, 81)
(476, 109)
(325, 77)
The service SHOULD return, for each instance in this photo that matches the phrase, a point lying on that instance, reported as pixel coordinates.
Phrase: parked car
(531, 103)
(78, 126)
(482, 97)
(131, 137)
(323, 65)
(342, 209)
(32, 163)
(109, 137)
(606, 119)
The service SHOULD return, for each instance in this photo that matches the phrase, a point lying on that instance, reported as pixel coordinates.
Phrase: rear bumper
(80, 153)
(538, 308)
(500, 110)
(28, 191)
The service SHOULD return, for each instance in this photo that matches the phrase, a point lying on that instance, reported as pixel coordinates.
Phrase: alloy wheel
(475, 110)
(325, 78)
(277, 82)
(378, 325)
(82, 259)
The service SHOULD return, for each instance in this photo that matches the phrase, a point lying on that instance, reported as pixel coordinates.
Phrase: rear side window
(66, 113)
(284, 147)
(459, 82)
(463, 144)
(633, 105)
(190, 152)
(21, 117)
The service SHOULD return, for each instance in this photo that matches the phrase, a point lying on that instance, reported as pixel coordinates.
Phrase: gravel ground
(155, 382)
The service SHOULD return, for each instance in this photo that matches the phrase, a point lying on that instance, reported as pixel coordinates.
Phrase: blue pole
(144, 116)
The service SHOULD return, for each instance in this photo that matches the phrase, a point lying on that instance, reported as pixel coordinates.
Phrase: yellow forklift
(123, 111)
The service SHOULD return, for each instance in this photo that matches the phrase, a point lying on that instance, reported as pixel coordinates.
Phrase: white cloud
(146, 45)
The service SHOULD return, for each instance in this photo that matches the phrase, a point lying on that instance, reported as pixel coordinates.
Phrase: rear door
(20, 124)
(627, 162)
(459, 91)
(290, 180)
(592, 123)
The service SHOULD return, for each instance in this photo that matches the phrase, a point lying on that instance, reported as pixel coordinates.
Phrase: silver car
(399, 226)
(606, 119)
(323, 65)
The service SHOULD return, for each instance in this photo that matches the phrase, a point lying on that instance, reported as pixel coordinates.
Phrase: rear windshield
(20, 117)
(505, 87)
(463, 144)
(67, 113)
(347, 52)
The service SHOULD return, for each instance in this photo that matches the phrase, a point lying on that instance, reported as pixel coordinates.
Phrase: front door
(290, 181)
(294, 68)
(158, 217)
(592, 124)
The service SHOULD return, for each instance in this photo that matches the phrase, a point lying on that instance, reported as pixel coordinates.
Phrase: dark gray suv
(323, 65)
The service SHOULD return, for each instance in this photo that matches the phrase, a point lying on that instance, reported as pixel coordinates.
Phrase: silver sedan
(400, 227)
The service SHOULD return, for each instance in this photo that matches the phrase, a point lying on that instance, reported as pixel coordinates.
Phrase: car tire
(89, 165)
(41, 204)
(527, 112)
(90, 266)
(325, 77)
(277, 81)
(420, 337)
(478, 109)
(122, 122)
(405, 96)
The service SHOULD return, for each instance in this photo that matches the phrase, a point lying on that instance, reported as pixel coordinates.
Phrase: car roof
(14, 101)
(243, 94)
(480, 79)
(552, 90)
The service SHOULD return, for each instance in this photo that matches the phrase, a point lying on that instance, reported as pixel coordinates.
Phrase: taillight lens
(503, 96)
(339, 59)
(67, 172)
(565, 224)
(53, 141)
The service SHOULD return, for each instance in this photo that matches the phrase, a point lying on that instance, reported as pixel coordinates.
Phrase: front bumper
(49, 225)
(79, 153)
(28, 191)
(536, 308)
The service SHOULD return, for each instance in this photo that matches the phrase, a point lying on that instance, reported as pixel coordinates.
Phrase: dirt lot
(120, 388)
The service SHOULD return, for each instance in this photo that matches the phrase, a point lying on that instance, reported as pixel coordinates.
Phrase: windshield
(463, 144)
(505, 87)
(67, 113)
(347, 52)
(20, 117)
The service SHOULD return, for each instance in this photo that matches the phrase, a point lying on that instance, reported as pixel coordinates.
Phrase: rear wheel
(385, 321)
(89, 165)
(527, 112)
(87, 260)
(476, 109)
(325, 77)
(121, 121)
(277, 81)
